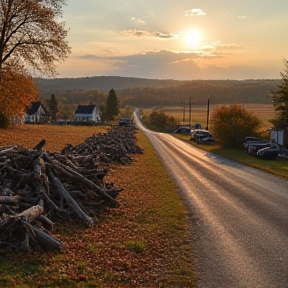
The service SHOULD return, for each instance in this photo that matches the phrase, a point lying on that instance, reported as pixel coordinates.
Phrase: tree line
(218, 91)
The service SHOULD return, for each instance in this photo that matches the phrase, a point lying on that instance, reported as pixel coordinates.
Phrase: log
(31, 214)
(44, 239)
(75, 176)
(2, 151)
(46, 222)
(70, 201)
(9, 200)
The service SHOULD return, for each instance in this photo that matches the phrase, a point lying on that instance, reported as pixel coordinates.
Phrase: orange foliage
(17, 91)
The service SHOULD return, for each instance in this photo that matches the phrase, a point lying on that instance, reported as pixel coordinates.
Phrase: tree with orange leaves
(30, 38)
(17, 91)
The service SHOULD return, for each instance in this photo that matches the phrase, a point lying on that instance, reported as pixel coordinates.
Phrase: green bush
(231, 123)
(159, 121)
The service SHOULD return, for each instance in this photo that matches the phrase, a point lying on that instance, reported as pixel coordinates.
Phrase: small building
(87, 113)
(36, 113)
(279, 133)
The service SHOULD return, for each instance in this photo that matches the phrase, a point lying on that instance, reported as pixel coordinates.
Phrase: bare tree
(31, 34)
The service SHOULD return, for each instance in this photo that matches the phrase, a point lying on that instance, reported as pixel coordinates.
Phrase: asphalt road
(239, 216)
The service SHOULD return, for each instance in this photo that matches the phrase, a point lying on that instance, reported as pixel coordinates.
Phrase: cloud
(166, 64)
(217, 49)
(194, 12)
(142, 33)
(138, 21)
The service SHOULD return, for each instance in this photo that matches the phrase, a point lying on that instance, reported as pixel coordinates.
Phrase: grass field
(199, 113)
(144, 243)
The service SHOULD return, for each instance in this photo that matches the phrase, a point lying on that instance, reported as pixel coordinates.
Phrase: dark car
(125, 122)
(250, 139)
(268, 153)
(254, 147)
(253, 144)
(202, 136)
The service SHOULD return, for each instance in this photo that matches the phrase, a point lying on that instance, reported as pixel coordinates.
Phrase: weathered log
(10, 200)
(45, 239)
(75, 176)
(31, 214)
(70, 201)
(5, 150)
(40, 145)
(46, 222)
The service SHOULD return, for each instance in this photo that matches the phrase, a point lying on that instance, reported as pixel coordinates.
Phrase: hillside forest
(145, 93)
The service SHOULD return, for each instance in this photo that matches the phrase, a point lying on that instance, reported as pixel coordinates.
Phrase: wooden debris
(37, 188)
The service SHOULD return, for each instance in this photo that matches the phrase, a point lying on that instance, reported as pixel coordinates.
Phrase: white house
(87, 113)
(36, 113)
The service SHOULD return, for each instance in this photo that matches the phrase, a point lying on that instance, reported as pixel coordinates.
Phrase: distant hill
(101, 83)
(143, 92)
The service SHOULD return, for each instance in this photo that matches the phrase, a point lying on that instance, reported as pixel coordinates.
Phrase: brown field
(56, 136)
(199, 113)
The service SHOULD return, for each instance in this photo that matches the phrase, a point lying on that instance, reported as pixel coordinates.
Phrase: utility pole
(183, 112)
(190, 109)
(207, 114)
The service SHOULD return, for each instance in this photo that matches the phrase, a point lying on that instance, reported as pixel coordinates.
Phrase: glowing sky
(176, 39)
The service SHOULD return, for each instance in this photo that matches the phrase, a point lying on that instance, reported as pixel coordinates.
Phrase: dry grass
(56, 136)
(199, 113)
(144, 243)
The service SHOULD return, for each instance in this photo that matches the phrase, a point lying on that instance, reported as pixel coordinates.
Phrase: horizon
(161, 79)
(185, 41)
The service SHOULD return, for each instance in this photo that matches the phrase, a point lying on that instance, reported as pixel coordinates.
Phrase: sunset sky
(176, 39)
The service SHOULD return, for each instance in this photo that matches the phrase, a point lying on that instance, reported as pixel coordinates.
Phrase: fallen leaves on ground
(144, 243)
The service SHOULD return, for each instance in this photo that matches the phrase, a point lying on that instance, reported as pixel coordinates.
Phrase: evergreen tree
(280, 97)
(53, 108)
(111, 105)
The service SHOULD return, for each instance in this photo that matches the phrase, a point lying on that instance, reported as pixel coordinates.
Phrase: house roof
(85, 109)
(34, 108)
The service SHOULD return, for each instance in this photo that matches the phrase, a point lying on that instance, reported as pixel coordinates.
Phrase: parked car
(201, 136)
(253, 144)
(125, 122)
(268, 153)
(183, 130)
(250, 139)
(254, 147)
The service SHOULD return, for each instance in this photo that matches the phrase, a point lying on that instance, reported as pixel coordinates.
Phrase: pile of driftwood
(37, 188)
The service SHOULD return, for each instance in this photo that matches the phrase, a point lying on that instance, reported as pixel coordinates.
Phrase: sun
(193, 38)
